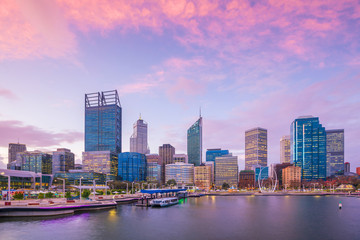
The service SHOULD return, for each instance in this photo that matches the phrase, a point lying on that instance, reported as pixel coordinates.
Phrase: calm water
(203, 218)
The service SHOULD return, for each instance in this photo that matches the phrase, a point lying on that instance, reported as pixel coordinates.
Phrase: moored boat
(164, 202)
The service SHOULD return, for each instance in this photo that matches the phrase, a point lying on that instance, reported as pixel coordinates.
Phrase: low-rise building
(247, 179)
(291, 177)
(182, 173)
(180, 158)
(87, 177)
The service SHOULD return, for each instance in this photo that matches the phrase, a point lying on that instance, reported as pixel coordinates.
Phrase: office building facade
(182, 173)
(346, 167)
(166, 155)
(15, 148)
(132, 167)
(180, 158)
(153, 158)
(226, 170)
(102, 162)
(255, 148)
(153, 172)
(194, 143)
(202, 177)
(63, 160)
(139, 138)
(308, 147)
(103, 122)
(247, 179)
(291, 177)
(35, 161)
(211, 154)
(87, 177)
(285, 149)
(335, 152)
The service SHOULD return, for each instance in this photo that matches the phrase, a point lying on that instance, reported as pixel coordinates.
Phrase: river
(210, 217)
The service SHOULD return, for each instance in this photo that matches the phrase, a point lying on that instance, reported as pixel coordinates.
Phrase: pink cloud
(33, 136)
(7, 94)
(34, 29)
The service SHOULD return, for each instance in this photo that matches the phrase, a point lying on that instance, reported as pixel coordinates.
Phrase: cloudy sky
(246, 63)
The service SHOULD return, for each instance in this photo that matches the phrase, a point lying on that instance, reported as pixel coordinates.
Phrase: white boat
(164, 202)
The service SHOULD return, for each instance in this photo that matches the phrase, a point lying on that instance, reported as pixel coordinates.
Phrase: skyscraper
(334, 152)
(15, 148)
(166, 155)
(103, 122)
(285, 149)
(226, 170)
(308, 147)
(62, 160)
(35, 161)
(101, 162)
(211, 154)
(255, 148)
(139, 138)
(194, 143)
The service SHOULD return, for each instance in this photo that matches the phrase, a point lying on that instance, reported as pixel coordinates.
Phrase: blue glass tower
(194, 143)
(308, 147)
(211, 154)
(103, 122)
(132, 167)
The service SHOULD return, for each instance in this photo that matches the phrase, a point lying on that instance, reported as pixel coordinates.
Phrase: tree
(41, 196)
(49, 195)
(225, 186)
(68, 195)
(18, 196)
(171, 182)
(85, 193)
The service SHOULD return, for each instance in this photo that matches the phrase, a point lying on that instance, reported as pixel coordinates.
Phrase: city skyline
(171, 58)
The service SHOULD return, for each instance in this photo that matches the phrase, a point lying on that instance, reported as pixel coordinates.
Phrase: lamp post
(132, 187)
(80, 189)
(94, 183)
(62, 179)
(8, 194)
(106, 182)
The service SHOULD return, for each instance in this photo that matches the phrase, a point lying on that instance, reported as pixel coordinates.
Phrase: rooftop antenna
(140, 116)
(200, 112)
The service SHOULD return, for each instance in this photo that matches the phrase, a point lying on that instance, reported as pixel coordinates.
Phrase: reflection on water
(231, 217)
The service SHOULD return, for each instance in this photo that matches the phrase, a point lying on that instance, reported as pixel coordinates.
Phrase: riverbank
(281, 194)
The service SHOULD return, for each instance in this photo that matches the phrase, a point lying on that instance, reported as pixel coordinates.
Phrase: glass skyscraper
(308, 147)
(194, 143)
(139, 138)
(285, 149)
(35, 161)
(334, 152)
(211, 154)
(132, 167)
(62, 160)
(103, 122)
(255, 148)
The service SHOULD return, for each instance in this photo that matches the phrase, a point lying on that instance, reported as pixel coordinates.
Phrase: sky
(245, 63)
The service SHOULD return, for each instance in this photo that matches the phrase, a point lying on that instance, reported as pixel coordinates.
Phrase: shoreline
(281, 194)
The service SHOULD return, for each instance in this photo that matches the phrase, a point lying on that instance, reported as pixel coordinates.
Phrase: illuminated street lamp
(80, 187)
(62, 179)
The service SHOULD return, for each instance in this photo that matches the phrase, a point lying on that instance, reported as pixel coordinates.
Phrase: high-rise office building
(308, 147)
(103, 122)
(334, 152)
(346, 167)
(194, 143)
(180, 158)
(139, 138)
(261, 173)
(35, 161)
(101, 162)
(255, 148)
(202, 177)
(211, 154)
(153, 158)
(226, 170)
(285, 149)
(63, 160)
(15, 148)
(166, 154)
(132, 167)
(212, 166)
(182, 173)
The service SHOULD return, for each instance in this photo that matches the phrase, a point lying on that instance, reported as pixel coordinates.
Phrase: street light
(8, 194)
(80, 188)
(106, 182)
(62, 179)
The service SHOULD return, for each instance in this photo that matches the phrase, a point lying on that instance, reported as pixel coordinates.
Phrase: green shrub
(41, 196)
(68, 195)
(18, 196)
(49, 195)
(85, 193)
